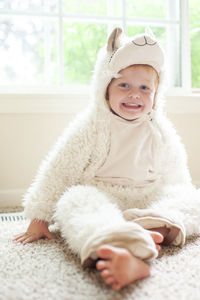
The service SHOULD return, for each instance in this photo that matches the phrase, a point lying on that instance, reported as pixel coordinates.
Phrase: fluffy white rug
(47, 270)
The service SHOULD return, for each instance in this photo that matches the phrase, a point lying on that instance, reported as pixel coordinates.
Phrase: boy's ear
(114, 40)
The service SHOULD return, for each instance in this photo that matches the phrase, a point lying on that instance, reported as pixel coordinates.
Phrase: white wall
(25, 139)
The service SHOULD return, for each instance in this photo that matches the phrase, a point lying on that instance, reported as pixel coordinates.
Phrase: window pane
(146, 8)
(28, 49)
(195, 42)
(96, 7)
(29, 5)
(81, 44)
(115, 8)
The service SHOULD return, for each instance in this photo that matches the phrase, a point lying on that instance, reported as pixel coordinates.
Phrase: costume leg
(177, 207)
(183, 203)
(87, 220)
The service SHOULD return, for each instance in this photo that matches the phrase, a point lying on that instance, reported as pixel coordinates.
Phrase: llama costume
(108, 179)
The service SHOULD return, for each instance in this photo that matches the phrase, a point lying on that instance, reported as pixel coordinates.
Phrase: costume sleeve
(62, 168)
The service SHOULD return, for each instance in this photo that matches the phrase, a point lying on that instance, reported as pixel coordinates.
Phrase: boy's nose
(134, 93)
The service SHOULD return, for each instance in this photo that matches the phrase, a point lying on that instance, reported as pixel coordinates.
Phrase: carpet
(48, 270)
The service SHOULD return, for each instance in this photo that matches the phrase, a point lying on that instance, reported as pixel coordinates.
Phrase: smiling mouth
(132, 105)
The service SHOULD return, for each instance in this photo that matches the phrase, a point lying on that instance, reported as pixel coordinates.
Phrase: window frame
(185, 45)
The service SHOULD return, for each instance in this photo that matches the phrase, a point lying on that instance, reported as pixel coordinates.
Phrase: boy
(119, 171)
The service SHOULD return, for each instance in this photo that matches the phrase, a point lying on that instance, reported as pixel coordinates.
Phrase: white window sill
(36, 103)
(71, 102)
(183, 103)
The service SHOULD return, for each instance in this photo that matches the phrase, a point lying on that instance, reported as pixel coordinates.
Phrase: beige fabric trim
(129, 235)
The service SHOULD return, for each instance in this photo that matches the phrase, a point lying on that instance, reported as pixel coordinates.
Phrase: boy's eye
(123, 84)
(144, 87)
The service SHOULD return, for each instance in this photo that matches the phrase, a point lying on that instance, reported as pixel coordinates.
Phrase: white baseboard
(196, 183)
(11, 198)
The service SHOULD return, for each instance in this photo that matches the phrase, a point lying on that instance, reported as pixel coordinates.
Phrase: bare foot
(119, 267)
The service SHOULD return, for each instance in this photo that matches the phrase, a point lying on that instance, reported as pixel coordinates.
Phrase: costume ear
(114, 39)
(149, 32)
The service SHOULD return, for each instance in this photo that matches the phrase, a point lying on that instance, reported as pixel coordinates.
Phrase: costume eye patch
(146, 41)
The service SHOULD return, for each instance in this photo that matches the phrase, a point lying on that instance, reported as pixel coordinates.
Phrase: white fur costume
(92, 212)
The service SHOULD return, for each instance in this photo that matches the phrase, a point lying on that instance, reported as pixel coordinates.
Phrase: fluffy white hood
(121, 52)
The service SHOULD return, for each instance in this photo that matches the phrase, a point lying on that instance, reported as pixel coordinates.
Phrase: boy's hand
(37, 229)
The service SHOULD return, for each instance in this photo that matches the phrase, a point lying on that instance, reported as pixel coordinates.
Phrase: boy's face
(132, 95)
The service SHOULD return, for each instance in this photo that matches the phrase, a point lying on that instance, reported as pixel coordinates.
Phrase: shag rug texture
(48, 270)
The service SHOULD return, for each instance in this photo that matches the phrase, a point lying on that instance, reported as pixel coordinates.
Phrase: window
(54, 43)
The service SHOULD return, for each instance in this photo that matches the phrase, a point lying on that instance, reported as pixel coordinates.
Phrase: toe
(105, 273)
(102, 264)
(157, 237)
(158, 247)
(105, 252)
(109, 280)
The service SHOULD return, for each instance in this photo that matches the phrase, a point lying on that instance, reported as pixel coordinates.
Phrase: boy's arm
(62, 168)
